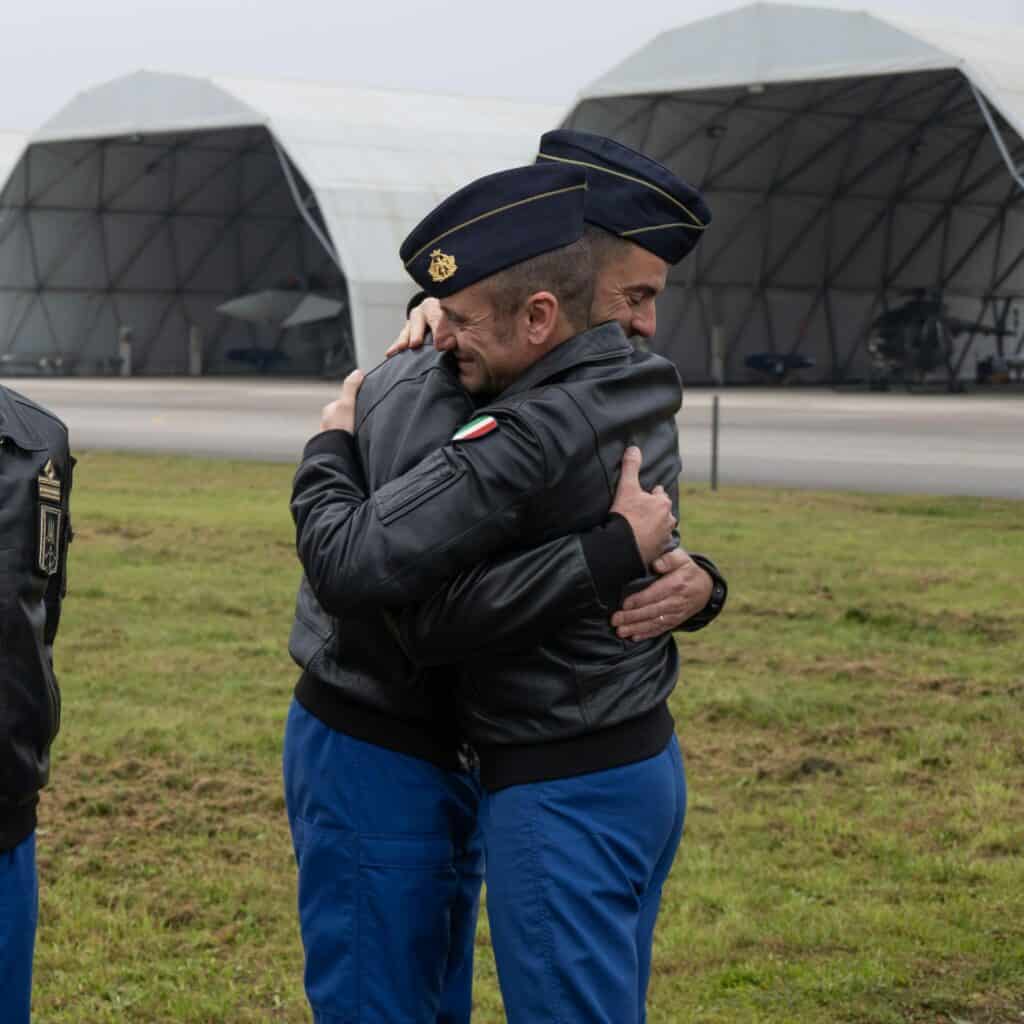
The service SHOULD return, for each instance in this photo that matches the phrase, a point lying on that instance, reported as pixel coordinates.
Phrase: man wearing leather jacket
(35, 487)
(580, 708)
(630, 270)
(365, 710)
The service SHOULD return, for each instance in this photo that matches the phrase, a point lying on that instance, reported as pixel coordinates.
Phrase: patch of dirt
(181, 917)
(849, 845)
(811, 766)
(762, 611)
(886, 733)
(799, 771)
(934, 579)
(1011, 847)
(90, 802)
(944, 684)
(860, 669)
(978, 1008)
(126, 531)
(902, 619)
(912, 780)
(833, 736)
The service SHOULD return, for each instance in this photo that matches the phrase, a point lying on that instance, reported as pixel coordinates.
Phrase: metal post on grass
(714, 443)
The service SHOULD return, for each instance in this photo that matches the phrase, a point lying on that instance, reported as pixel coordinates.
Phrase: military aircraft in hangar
(318, 317)
(912, 340)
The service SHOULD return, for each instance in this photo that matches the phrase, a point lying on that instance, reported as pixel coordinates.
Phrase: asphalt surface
(939, 444)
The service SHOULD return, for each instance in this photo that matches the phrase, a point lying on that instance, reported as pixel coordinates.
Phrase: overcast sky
(530, 49)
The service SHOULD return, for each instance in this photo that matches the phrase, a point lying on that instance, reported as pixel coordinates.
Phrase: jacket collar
(605, 341)
(13, 425)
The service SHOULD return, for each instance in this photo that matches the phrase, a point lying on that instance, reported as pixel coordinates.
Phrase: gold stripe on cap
(490, 213)
(697, 225)
(656, 227)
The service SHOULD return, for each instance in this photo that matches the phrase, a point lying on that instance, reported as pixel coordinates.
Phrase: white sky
(529, 49)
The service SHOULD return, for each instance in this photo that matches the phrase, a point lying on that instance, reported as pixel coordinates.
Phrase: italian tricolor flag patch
(475, 428)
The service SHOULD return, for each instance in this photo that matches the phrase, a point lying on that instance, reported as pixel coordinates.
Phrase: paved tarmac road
(941, 444)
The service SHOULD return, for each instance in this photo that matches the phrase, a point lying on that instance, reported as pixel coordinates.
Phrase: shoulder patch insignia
(51, 519)
(49, 483)
(475, 428)
(51, 522)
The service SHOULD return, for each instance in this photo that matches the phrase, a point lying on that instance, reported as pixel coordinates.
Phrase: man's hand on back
(683, 590)
(341, 413)
(425, 317)
(649, 515)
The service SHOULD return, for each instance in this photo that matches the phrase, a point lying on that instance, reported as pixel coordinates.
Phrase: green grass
(853, 732)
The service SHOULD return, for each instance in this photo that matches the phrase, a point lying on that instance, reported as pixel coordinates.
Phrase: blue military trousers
(390, 865)
(575, 869)
(19, 913)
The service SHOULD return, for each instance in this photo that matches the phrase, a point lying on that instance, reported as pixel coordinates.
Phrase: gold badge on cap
(442, 266)
(51, 519)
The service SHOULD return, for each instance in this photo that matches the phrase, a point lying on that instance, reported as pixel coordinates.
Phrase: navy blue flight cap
(629, 194)
(493, 223)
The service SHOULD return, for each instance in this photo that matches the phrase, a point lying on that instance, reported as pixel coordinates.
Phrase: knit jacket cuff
(332, 442)
(612, 558)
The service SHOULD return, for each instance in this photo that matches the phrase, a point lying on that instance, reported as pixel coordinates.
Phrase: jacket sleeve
(462, 504)
(513, 602)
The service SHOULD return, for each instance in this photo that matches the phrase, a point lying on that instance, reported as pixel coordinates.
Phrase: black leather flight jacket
(358, 678)
(35, 528)
(546, 688)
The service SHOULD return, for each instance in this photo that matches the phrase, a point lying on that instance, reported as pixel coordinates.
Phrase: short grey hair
(605, 248)
(567, 272)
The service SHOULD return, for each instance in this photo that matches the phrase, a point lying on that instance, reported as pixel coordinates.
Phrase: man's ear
(542, 317)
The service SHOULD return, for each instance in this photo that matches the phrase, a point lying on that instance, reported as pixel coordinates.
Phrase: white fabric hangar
(148, 202)
(850, 159)
(12, 145)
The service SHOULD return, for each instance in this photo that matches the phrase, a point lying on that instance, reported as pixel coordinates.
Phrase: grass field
(852, 726)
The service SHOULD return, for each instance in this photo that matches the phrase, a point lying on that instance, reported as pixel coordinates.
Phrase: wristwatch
(716, 602)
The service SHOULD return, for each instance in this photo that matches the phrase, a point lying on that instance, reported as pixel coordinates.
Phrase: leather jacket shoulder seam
(395, 384)
(523, 421)
(593, 433)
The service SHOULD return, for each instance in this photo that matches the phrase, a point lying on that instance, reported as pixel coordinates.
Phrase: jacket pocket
(622, 687)
(308, 609)
(433, 475)
(312, 628)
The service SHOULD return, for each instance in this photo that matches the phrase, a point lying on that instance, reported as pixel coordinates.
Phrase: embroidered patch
(442, 266)
(50, 522)
(475, 428)
(51, 519)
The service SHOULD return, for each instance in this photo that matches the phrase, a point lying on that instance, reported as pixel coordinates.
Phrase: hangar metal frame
(848, 160)
(150, 200)
(96, 200)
